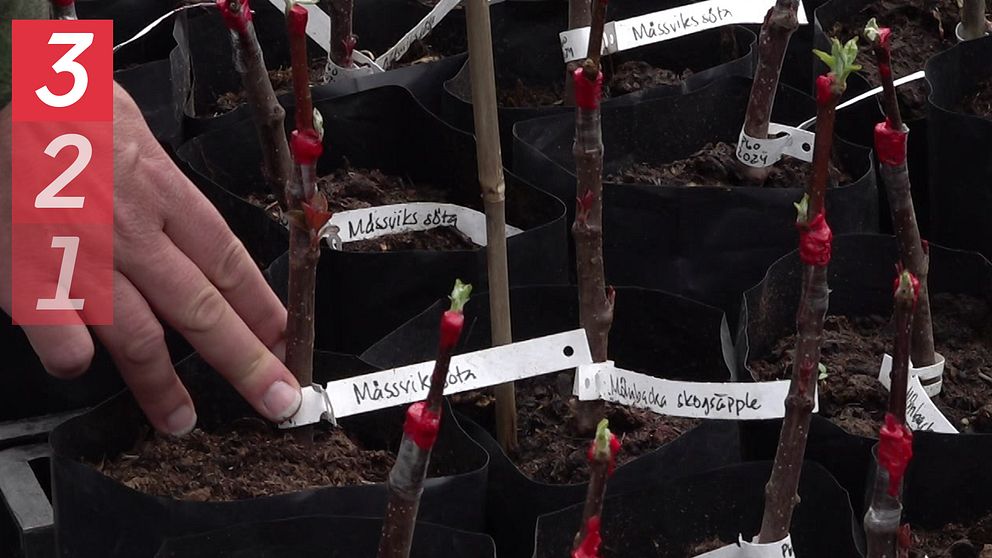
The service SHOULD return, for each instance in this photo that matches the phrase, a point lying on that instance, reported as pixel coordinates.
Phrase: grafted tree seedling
(420, 430)
(780, 23)
(815, 240)
(895, 440)
(343, 40)
(595, 299)
(890, 145)
(602, 461)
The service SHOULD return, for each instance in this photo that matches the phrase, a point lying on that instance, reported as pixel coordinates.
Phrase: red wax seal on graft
(895, 448)
(297, 17)
(422, 425)
(63, 3)
(614, 449)
(890, 144)
(815, 240)
(451, 329)
(306, 146)
(587, 92)
(884, 34)
(824, 89)
(589, 547)
(912, 281)
(235, 21)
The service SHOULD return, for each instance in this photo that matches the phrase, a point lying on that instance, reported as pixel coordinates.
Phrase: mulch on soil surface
(716, 164)
(979, 102)
(851, 395)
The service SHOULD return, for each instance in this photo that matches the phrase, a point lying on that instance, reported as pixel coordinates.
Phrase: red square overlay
(34, 62)
(38, 268)
(48, 187)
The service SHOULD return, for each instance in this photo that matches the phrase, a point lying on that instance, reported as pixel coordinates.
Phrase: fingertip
(64, 352)
(180, 421)
(282, 399)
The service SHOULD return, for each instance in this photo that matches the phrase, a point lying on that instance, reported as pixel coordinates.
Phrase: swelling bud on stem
(602, 456)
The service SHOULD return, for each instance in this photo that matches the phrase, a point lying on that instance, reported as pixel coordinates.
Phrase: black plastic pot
(323, 537)
(659, 520)
(654, 332)
(130, 17)
(857, 123)
(527, 49)
(148, 85)
(960, 167)
(26, 528)
(203, 67)
(860, 277)
(97, 517)
(363, 296)
(706, 242)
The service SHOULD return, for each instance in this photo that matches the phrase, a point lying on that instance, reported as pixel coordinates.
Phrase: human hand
(174, 257)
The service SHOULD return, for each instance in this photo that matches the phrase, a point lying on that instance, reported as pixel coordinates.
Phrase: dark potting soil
(282, 82)
(920, 29)
(716, 165)
(248, 459)
(626, 78)
(349, 188)
(979, 102)
(851, 395)
(633, 76)
(955, 541)
(550, 451)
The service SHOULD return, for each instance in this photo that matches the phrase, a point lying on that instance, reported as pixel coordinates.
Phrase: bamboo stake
(480, 48)
(973, 22)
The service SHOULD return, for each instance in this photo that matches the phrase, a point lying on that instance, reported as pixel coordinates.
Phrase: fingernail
(281, 401)
(182, 421)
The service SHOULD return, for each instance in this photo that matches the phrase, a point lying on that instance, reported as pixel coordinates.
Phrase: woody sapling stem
(595, 299)
(64, 9)
(423, 420)
(343, 41)
(974, 24)
(602, 461)
(890, 145)
(266, 112)
(780, 23)
(895, 439)
(487, 149)
(815, 240)
(306, 212)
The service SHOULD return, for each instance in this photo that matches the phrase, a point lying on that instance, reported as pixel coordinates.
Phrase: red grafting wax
(814, 241)
(235, 21)
(306, 146)
(824, 89)
(614, 449)
(422, 425)
(912, 281)
(63, 3)
(589, 547)
(890, 144)
(884, 34)
(895, 448)
(451, 329)
(587, 92)
(298, 20)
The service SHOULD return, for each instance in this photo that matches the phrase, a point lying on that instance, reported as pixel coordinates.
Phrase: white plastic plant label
(704, 400)
(668, 24)
(373, 222)
(408, 384)
(760, 153)
(921, 413)
(421, 30)
(744, 549)
(926, 374)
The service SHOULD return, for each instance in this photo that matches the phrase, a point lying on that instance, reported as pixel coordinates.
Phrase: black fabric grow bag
(860, 276)
(653, 332)
(363, 296)
(97, 517)
(148, 85)
(707, 243)
(323, 537)
(526, 49)
(203, 66)
(857, 123)
(725, 502)
(960, 166)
